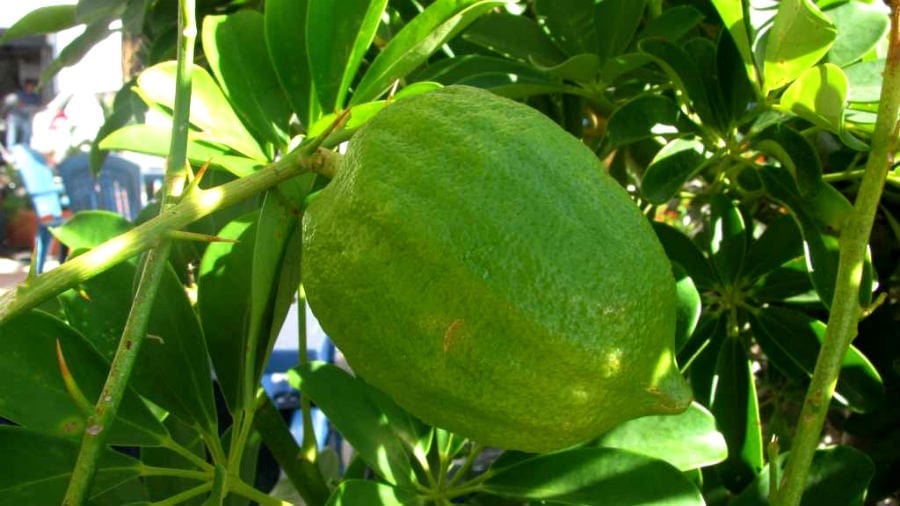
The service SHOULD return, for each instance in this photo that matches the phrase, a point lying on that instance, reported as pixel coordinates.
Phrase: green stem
(93, 441)
(175, 473)
(183, 497)
(845, 310)
(304, 475)
(242, 489)
(843, 176)
(308, 450)
(94, 438)
(192, 207)
(467, 464)
(190, 456)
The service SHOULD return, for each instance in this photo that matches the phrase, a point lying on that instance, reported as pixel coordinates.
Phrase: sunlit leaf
(860, 27)
(818, 96)
(734, 14)
(799, 38)
(49, 19)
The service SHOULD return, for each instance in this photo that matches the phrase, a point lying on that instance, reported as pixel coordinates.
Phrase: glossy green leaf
(235, 48)
(682, 69)
(210, 110)
(687, 309)
(860, 27)
(681, 250)
(89, 228)
(382, 433)
(89, 11)
(838, 475)
(704, 54)
(799, 38)
(43, 20)
(616, 22)
(647, 116)
(285, 22)
(154, 140)
(789, 283)
(461, 68)
(365, 493)
(76, 50)
(700, 354)
(515, 37)
(815, 215)
(735, 16)
(36, 468)
(174, 368)
(675, 164)
(337, 37)
(799, 337)
(223, 296)
(34, 395)
(818, 96)
(570, 23)
(579, 68)
(739, 94)
(795, 153)
(593, 476)
(687, 441)
(622, 65)
(728, 243)
(673, 23)
(865, 80)
(780, 243)
(275, 270)
(734, 404)
(416, 41)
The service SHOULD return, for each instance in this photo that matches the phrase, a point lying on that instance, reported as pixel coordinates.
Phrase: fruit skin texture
(472, 260)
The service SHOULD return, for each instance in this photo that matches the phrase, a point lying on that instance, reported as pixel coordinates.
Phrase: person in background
(22, 106)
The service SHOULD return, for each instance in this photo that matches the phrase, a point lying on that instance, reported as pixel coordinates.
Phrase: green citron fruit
(473, 261)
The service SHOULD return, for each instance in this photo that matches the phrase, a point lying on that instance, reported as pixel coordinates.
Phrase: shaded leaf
(285, 24)
(687, 441)
(739, 93)
(701, 353)
(681, 250)
(735, 407)
(235, 48)
(838, 475)
(682, 69)
(89, 11)
(378, 429)
(647, 116)
(416, 41)
(673, 23)
(779, 243)
(798, 338)
(75, 50)
(337, 37)
(580, 68)
(593, 476)
(728, 243)
(799, 38)
(365, 493)
(675, 164)
(36, 468)
(43, 20)
(163, 487)
(570, 23)
(223, 296)
(860, 27)
(34, 395)
(795, 153)
(516, 37)
(735, 17)
(616, 22)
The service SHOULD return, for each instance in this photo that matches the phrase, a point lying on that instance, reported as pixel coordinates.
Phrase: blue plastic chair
(46, 198)
(80, 184)
(120, 186)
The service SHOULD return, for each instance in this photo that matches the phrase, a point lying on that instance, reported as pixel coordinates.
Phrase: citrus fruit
(472, 260)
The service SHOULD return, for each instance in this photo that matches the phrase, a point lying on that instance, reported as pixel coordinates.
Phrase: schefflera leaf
(36, 468)
(587, 475)
(687, 441)
(33, 392)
